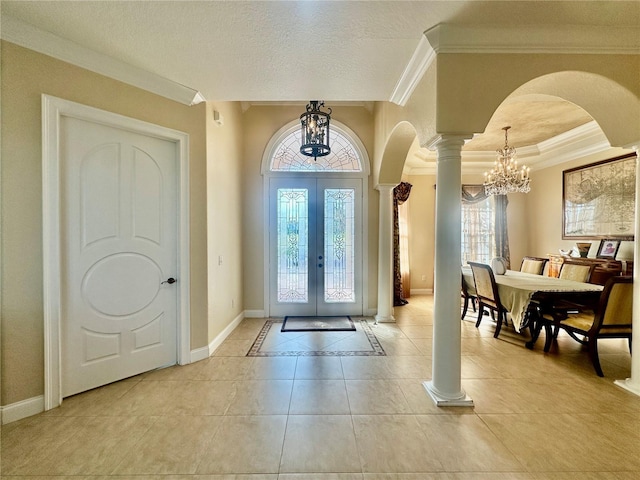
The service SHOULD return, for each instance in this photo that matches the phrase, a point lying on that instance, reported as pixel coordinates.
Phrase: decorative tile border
(376, 348)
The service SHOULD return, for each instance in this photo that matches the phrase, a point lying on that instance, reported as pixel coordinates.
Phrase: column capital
(447, 140)
(386, 187)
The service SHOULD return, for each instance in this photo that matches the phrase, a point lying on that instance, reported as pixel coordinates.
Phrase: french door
(315, 246)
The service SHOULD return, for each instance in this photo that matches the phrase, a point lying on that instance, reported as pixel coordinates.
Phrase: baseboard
(199, 354)
(22, 409)
(222, 336)
(421, 291)
(254, 314)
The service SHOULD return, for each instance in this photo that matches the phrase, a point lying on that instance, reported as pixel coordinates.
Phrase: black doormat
(341, 323)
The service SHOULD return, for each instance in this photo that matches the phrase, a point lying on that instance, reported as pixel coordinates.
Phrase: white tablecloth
(516, 289)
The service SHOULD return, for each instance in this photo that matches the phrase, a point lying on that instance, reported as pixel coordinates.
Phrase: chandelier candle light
(505, 176)
(315, 130)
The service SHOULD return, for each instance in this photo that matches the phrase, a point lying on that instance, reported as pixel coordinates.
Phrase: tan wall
(606, 86)
(422, 228)
(260, 123)
(25, 76)
(422, 212)
(544, 206)
(225, 197)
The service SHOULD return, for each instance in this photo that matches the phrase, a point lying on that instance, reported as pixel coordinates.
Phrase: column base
(384, 319)
(628, 385)
(463, 401)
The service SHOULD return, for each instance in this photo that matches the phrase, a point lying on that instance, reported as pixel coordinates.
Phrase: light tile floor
(536, 416)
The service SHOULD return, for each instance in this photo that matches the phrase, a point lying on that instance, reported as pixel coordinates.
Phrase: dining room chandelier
(315, 130)
(506, 177)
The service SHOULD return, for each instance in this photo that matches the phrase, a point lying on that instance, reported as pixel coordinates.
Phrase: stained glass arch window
(345, 154)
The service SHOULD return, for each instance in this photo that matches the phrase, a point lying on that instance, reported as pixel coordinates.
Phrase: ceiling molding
(28, 36)
(579, 142)
(572, 39)
(421, 60)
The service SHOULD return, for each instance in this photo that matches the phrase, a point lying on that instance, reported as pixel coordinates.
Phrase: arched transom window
(343, 157)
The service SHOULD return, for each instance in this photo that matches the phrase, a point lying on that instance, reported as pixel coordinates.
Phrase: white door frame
(52, 110)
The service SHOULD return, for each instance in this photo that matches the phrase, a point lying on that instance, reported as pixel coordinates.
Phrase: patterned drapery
(400, 195)
(502, 234)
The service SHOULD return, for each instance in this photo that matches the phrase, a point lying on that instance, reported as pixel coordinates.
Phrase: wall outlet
(424, 278)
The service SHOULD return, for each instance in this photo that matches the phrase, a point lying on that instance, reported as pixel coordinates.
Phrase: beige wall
(25, 76)
(422, 212)
(260, 123)
(422, 208)
(544, 206)
(225, 197)
(606, 86)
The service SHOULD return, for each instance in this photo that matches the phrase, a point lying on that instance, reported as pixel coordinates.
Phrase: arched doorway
(315, 214)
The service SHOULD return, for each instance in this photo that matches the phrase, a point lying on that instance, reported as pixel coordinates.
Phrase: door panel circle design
(121, 284)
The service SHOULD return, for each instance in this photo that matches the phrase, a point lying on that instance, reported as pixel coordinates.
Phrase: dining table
(526, 296)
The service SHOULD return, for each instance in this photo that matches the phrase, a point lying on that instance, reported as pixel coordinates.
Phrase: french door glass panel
(315, 235)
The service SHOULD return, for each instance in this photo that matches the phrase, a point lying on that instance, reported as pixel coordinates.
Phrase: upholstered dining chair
(487, 294)
(576, 271)
(612, 318)
(533, 265)
(467, 297)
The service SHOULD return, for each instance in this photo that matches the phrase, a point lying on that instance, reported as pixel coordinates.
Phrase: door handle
(169, 280)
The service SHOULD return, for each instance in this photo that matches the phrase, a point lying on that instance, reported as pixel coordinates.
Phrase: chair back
(485, 282)
(614, 314)
(576, 271)
(534, 265)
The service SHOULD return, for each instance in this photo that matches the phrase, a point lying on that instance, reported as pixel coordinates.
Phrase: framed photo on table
(608, 248)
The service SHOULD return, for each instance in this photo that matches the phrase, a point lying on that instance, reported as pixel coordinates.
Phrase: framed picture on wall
(598, 200)
(608, 248)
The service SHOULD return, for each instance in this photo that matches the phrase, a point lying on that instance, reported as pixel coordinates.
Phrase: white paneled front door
(118, 253)
(315, 238)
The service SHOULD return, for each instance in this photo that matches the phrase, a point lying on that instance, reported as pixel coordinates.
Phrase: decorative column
(633, 383)
(385, 255)
(445, 388)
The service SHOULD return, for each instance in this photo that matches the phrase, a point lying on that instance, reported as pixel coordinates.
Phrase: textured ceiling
(293, 51)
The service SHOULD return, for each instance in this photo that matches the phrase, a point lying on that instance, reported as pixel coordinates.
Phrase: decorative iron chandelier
(315, 130)
(506, 177)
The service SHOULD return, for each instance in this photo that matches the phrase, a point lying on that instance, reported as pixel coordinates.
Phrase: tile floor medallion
(271, 342)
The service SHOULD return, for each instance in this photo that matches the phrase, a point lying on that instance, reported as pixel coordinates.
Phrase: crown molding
(33, 38)
(579, 142)
(421, 60)
(572, 39)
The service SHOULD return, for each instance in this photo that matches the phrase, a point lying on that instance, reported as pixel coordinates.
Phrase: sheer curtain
(484, 226)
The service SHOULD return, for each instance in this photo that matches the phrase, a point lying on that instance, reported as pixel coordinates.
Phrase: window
(478, 231)
(343, 156)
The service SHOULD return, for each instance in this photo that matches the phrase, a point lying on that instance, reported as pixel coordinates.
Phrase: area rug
(272, 342)
(318, 324)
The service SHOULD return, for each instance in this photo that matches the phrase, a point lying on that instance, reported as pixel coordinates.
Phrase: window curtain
(400, 195)
(472, 194)
(502, 234)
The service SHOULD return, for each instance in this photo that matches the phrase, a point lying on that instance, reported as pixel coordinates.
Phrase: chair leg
(501, 315)
(593, 354)
(549, 336)
(480, 312)
(464, 308)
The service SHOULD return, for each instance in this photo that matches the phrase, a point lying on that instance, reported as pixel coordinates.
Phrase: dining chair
(487, 294)
(576, 271)
(534, 265)
(468, 297)
(612, 318)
